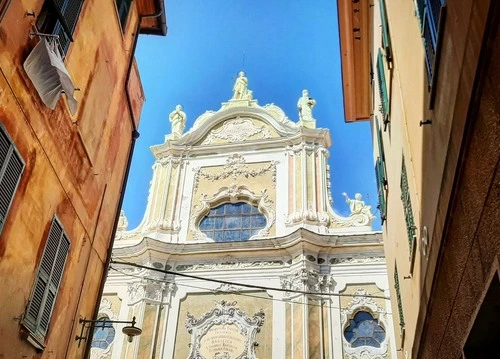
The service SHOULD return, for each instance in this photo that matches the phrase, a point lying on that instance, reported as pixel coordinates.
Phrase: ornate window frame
(361, 302)
(104, 310)
(233, 194)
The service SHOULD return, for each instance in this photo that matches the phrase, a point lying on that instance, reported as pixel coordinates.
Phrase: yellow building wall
(74, 168)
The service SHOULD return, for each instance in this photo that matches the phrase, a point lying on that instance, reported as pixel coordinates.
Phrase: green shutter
(381, 174)
(48, 279)
(382, 85)
(398, 298)
(386, 39)
(408, 211)
(11, 169)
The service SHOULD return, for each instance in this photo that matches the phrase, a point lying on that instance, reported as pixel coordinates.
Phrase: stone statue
(358, 206)
(178, 121)
(122, 222)
(240, 91)
(305, 106)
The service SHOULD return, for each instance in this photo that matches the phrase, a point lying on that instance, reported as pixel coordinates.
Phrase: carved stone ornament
(228, 265)
(235, 167)
(352, 260)
(224, 332)
(233, 194)
(237, 130)
(362, 302)
(306, 280)
(105, 309)
(149, 290)
(226, 288)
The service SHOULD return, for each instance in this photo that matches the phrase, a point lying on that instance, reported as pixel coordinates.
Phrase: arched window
(104, 333)
(232, 222)
(365, 330)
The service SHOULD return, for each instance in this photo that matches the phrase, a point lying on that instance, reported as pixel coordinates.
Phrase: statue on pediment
(305, 106)
(240, 88)
(358, 206)
(178, 121)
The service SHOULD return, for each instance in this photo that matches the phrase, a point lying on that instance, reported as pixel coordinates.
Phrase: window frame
(432, 16)
(225, 215)
(399, 301)
(62, 28)
(11, 151)
(374, 318)
(381, 174)
(103, 318)
(386, 35)
(411, 228)
(38, 334)
(123, 21)
(384, 106)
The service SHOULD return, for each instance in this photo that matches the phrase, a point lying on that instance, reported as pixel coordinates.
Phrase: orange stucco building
(62, 170)
(425, 74)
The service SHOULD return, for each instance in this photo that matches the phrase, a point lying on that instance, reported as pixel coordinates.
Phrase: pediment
(235, 125)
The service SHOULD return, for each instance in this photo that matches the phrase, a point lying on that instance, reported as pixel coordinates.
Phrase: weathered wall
(74, 167)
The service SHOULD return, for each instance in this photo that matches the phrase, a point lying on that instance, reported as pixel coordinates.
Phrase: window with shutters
(47, 282)
(408, 210)
(381, 174)
(431, 14)
(386, 38)
(123, 7)
(398, 298)
(382, 86)
(59, 17)
(11, 169)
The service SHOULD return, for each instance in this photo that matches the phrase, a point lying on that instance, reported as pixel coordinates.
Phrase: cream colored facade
(432, 112)
(312, 270)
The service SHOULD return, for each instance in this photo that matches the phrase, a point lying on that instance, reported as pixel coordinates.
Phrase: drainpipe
(135, 136)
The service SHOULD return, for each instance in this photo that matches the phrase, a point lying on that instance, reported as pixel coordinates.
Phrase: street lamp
(130, 330)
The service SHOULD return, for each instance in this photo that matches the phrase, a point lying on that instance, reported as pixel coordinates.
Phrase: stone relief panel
(235, 167)
(239, 130)
(225, 332)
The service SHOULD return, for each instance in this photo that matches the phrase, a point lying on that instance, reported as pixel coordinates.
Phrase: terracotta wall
(74, 167)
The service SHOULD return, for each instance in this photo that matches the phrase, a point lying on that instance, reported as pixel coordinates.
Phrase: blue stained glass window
(104, 334)
(232, 222)
(364, 330)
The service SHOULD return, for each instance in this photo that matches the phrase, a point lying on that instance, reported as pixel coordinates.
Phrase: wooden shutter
(386, 39)
(382, 85)
(47, 282)
(123, 10)
(381, 174)
(70, 10)
(398, 298)
(11, 169)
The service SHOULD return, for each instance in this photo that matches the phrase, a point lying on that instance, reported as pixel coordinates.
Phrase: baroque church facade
(242, 254)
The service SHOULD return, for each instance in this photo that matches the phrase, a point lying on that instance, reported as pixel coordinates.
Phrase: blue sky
(283, 46)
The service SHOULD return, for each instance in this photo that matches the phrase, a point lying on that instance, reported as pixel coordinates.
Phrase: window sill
(36, 342)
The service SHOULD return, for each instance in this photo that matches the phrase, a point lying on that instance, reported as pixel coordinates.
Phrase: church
(240, 253)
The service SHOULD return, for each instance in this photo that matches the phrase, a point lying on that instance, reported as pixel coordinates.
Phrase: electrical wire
(324, 305)
(253, 286)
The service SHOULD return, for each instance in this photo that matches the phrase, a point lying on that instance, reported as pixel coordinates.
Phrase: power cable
(325, 305)
(253, 286)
